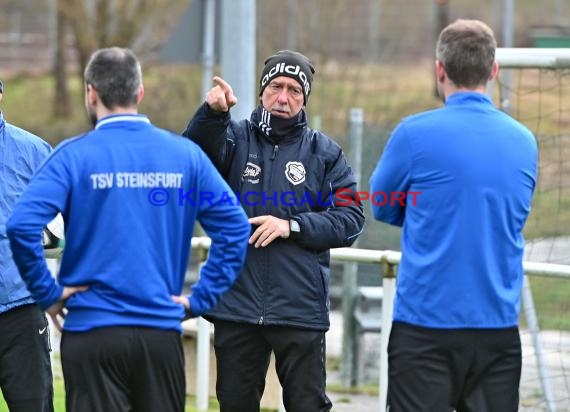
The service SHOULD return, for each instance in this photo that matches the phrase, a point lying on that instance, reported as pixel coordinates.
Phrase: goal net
(534, 87)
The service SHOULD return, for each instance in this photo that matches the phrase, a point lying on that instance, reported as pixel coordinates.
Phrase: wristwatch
(294, 226)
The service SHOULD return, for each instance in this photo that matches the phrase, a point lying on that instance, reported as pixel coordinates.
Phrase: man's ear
(440, 71)
(92, 96)
(141, 94)
(494, 71)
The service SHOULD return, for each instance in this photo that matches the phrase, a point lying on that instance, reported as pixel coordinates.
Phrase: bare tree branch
(139, 24)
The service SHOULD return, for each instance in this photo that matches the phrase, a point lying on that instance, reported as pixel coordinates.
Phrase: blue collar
(121, 118)
(467, 97)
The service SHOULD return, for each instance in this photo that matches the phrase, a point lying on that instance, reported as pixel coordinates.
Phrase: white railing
(389, 260)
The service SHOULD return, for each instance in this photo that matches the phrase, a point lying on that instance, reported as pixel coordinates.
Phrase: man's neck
(104, 112)
(452, 89)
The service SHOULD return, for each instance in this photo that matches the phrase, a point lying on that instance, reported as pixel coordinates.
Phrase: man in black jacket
(300, 195)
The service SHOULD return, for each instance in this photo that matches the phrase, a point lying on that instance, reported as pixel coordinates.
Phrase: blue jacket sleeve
(43, 198)
(392, 178)
(225, 222)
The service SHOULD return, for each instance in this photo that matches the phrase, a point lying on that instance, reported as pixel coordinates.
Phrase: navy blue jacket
(304, 177)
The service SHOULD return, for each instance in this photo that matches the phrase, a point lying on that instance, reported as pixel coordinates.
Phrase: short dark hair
(116, 75)
(466, 48)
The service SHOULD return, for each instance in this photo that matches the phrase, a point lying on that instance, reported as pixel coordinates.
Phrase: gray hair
(115, 73)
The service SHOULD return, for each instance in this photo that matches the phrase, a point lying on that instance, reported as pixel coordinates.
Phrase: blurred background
(375, 56)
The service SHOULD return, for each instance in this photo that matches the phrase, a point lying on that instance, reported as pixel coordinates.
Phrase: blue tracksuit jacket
(473, 169)
(130, 194)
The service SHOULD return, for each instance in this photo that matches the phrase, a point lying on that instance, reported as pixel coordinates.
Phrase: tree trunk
(61, 104)
(441, 22)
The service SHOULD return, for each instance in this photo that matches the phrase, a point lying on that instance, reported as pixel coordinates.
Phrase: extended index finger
(225, 86)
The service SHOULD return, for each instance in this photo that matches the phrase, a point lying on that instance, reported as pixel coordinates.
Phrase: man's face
(283, 97)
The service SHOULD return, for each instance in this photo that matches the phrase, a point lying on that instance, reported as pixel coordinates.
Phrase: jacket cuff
(196, 307)
(213, 113)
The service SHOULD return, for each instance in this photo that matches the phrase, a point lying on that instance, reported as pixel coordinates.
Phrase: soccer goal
(534, 87)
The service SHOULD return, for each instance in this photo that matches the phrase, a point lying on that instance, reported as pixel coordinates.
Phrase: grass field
(59, 401)
(552, 300)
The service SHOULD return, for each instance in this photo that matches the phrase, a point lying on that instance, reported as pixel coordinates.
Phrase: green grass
(59, 400)
(550, 214)
(551, 299)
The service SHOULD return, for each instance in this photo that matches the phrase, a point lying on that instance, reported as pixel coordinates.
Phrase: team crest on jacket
(295, 172)
(251, 173)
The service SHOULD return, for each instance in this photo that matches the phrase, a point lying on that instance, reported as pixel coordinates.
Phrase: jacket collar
(277, 130)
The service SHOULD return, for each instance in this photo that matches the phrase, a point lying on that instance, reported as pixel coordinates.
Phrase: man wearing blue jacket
(455, 343)
(130, 194)
(299, 193)
(25, 367)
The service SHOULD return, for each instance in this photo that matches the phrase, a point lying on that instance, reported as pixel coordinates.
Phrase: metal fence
(389, 261)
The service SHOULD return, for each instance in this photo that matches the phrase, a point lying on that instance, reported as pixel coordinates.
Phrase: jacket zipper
(272, 158)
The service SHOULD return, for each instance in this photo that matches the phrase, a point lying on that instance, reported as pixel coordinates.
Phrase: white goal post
(551, 59)
(547, 58)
